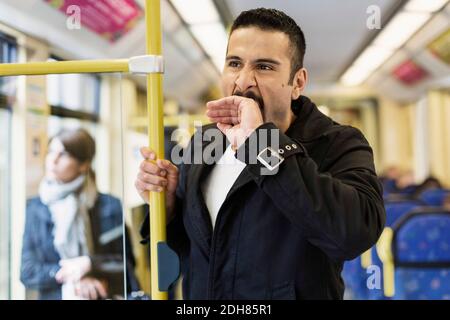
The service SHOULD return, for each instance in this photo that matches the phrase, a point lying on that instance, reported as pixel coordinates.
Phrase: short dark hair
(275, 20)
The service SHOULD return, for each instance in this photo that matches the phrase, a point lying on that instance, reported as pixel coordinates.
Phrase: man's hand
(91, 289)
(157, 175)
(237, 117)
(73, 269)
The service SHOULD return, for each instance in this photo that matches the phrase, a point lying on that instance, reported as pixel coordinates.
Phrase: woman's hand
(91, 289)
(73, 269)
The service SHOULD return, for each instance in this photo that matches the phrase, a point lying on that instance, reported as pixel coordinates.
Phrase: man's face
(258, 66)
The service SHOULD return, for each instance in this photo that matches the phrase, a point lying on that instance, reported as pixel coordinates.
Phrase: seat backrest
(396, 206)
(395, 210)
(421, 253)
(398, 197)
(355, 277)
(434, 197)
(422, 236)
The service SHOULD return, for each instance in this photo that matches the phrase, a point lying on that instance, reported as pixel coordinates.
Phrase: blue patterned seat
(434, 197)
(355, 276)
(421, 251)
(394, 212)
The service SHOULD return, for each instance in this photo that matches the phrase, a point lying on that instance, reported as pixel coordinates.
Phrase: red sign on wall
(409, 73)
(110, 19)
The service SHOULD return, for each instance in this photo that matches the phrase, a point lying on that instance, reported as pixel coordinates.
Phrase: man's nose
(245, 80)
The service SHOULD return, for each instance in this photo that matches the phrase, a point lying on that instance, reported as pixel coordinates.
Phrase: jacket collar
(41, 210)
(44, 214)
(310, 123)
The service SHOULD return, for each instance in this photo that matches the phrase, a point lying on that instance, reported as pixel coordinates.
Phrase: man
(292, 196)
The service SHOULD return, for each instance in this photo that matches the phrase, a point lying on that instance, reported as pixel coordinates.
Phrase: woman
(72, 244)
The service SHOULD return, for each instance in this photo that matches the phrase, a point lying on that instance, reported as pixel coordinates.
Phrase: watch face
(270, 158)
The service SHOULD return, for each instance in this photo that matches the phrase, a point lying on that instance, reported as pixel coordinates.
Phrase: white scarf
(69, 205)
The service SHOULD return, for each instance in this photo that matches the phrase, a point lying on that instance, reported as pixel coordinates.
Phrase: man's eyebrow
(262, 60)
(267, 60)
(233, 58)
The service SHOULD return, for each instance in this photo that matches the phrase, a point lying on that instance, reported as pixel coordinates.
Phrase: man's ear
(299, 83)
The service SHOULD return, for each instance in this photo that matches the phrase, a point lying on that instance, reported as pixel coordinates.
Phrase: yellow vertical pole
(156, 140)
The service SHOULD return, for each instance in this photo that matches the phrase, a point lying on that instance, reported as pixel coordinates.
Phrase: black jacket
(282, 236)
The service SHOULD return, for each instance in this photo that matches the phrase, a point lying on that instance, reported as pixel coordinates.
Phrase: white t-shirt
(219, 182)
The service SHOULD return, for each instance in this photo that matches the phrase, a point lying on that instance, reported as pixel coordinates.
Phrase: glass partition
(5, 123)
(66, 229)
(7, 98)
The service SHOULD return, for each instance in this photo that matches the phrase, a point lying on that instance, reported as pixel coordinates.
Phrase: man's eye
(233, 64)
(264, 67)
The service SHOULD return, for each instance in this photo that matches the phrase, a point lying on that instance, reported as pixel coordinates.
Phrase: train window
(5, 120)
(82, 101)
(7, 92)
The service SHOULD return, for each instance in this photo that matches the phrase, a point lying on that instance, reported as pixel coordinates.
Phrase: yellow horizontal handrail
(59, 67)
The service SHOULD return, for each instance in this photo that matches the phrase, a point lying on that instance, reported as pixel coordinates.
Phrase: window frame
(8, 54)
(64, 112)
